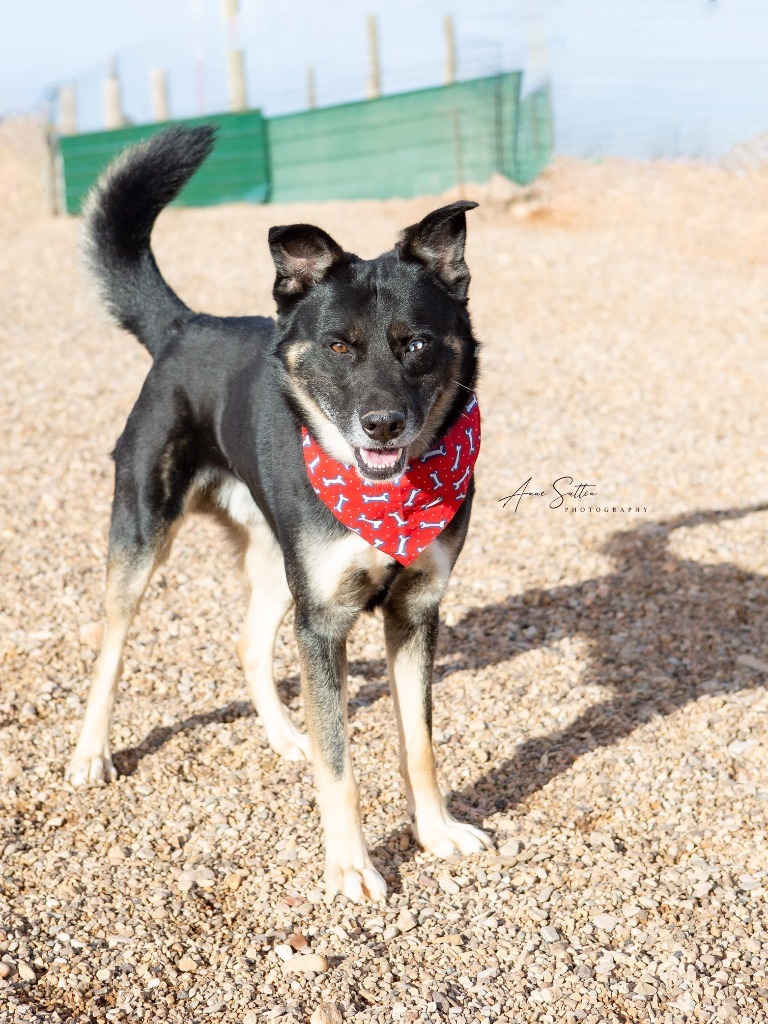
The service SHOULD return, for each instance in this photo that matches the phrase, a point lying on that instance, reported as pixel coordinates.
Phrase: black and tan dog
(371, 360)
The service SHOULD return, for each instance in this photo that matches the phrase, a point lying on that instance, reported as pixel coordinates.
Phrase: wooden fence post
(67, 119)
(49, 162)
(158, 85)
(311, 93)
(374, 79)
(449, 75)
(113, 105)
(238, 94)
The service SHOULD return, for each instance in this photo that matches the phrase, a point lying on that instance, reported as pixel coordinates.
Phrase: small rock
(749, 661)
(511, 848)
(326, 1013)
(186, 965)
(747, 883)
(739, 747)
(283, 951)
(104, 974)
(406, 921)
(233, 881)
(605, 964)
(297, 941)
(685, 1002)
(550, 934)
(597, 839)
(186, 880)
(205, 878)
(390, 932)
(606, 922)
(310, 963)
(448, 885)
(5, 969)
(26, 971)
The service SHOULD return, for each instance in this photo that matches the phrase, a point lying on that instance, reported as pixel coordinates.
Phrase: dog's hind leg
(128, 573)
(411, 628)
(153, 470)
(270, 600)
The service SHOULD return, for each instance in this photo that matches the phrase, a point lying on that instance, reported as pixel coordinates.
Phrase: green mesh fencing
(406, 145)
(534, 136)
(416, 143)
(237, 169)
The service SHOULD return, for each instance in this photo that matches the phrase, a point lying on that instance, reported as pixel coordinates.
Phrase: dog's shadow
(127, 760)
(661, 631)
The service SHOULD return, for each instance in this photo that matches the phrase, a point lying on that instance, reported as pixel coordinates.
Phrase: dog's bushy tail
(119, 214)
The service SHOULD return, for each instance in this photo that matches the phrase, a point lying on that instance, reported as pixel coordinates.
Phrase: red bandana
(404, 515)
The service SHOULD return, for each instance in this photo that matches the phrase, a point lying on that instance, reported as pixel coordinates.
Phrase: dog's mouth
(380, 463)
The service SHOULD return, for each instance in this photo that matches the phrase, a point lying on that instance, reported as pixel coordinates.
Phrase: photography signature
(563, 488)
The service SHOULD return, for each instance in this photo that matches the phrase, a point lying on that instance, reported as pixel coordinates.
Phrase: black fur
(121, 213)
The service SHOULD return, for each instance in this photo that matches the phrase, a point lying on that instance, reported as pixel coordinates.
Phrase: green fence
(237, 169)
(533, 147)
(415, 143)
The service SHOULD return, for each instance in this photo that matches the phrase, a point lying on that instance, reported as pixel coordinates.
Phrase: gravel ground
(600, 702)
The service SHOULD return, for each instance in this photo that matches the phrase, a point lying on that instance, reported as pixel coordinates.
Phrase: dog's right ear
(303, 255)
(437, 242)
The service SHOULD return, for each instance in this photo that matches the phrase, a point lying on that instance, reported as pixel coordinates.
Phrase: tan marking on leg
(269, 602)
(410, 669)
(348, 866)
(127, 580)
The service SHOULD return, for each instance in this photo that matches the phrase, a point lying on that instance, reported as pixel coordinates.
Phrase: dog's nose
(383, 424)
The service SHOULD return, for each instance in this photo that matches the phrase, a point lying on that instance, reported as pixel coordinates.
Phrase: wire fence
(640, 78)
(291, 64)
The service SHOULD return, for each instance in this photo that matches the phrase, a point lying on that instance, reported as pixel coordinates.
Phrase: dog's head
(377, 355)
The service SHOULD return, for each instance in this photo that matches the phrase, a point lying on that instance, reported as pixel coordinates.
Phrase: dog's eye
(415, 346)
(340, 346)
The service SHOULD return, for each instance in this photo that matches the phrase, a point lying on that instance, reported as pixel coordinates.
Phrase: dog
(313, 438)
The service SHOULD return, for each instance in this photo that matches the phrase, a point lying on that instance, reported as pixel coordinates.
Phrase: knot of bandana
(402, 516)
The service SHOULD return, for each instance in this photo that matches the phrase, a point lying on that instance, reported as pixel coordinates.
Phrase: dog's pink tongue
(379, 457)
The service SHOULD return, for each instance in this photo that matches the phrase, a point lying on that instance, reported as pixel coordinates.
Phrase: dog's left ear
(303, 255)
(438, 243)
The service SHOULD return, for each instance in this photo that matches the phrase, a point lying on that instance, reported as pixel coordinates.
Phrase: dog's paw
(361, 884)
(287, 741)
(87, 769)
(447, 837)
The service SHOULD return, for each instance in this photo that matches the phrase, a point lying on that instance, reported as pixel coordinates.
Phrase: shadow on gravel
(662, 631)
(127, 761)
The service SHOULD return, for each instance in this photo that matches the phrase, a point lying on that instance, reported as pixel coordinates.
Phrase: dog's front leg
(411, 627)
(323, 653)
